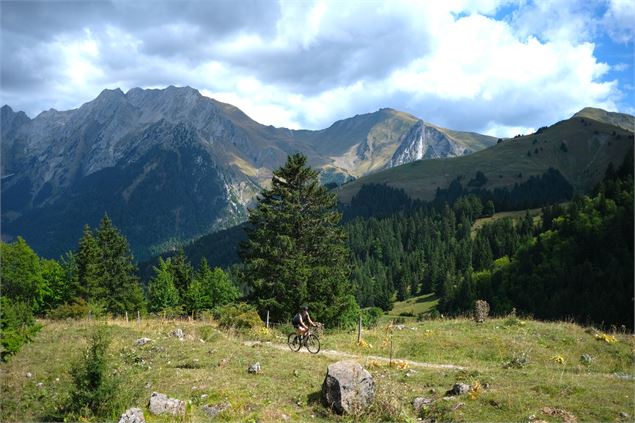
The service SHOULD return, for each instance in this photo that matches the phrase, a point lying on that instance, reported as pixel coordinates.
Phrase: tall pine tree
(296, 252)
(162, 294)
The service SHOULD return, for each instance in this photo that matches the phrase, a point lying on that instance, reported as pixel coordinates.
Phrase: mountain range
(169, 165)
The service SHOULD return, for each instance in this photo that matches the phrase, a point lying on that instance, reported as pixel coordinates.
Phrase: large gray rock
(132, 415)
(161, 404)
(348, 388)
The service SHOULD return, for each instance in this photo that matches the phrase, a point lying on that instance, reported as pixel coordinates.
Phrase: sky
(500, 67)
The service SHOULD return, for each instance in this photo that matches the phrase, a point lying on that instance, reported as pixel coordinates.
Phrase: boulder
(132, 415)
(348, 388)
(161, 404)
(214, 410)
(142, 341)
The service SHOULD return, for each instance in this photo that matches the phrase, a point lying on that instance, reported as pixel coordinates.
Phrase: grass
(214, 363)
(412, 307)
(516, 215)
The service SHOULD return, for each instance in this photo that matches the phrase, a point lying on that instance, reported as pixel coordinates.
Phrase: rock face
(161, 404)
(348, 388)
(426, 142)
(132, 415)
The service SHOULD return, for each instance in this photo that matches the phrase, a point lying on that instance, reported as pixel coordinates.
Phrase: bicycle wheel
(294, 342)
(313, 344)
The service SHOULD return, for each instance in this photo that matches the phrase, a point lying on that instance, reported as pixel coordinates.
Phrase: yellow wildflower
(475, 390)
(610, 339)
(558, 359)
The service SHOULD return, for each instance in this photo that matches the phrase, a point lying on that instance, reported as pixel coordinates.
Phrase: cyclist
(301, 319)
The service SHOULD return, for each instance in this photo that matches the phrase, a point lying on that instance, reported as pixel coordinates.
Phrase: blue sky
(500, 67)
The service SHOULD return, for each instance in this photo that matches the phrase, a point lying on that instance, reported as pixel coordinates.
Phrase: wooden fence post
(126, 316)
(359, 329)
(138, 317)
(267, 324)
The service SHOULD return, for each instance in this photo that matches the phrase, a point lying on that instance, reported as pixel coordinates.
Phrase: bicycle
(310, 340)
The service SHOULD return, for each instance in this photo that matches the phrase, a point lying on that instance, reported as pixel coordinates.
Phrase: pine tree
(296, 252)
(162, 294)
(210, 289)
(88, 260)
(182, 271)
(22, 279)
(118, 273)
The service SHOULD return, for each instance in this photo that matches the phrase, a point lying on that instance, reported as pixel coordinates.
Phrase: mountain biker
(301, 319)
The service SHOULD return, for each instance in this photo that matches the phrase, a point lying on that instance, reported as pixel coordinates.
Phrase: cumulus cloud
(480, 65)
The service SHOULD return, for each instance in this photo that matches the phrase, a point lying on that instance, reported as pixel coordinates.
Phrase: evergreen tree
(296, 252)
(22, 279)
(162, 294)
(117, 271)
(89, 269)
(182, 272)
(210, 289)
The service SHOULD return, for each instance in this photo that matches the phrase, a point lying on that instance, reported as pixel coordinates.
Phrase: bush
(481, 311)
(241, 316)
(371, 315)
(17, 326)
(94, 390)
(407, 314)
(79, 309)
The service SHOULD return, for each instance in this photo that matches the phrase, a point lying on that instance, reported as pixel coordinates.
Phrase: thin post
(267, 324)
(359, 329)
(126, 316)
(138, 317)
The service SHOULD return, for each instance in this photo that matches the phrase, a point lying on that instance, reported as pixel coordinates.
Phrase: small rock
(458, 405)
(586, 359)
(420, 402)
(29, 375)
(214, 410)
(204, 396)
(410, 373)
(400, 327)
(285, 418)
(148, 385)
(178, 333)
(142, 341)
(161, 404)
(57, 379)
(486, 386)
(132, 415)
(39, 385)
(254, 368)
(448, 398)
(296, 373)
(459, 389)
(624, 415)
(432, 391)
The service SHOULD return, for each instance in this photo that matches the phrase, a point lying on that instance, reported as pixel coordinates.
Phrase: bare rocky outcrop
(161, 404)
(132, 415)
(348, 388)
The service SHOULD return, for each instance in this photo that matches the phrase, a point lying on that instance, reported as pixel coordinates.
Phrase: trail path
(341, 354)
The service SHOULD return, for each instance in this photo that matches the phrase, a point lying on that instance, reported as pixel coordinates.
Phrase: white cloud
(451, 63)
(619, 20)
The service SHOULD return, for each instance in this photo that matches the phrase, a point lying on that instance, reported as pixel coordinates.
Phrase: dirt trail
(341, 354)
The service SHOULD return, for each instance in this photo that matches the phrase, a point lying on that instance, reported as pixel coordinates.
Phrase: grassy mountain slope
(214, 363)
(580, 148)
(622, 120)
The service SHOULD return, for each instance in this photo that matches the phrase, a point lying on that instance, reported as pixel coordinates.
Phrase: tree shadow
(314, 398)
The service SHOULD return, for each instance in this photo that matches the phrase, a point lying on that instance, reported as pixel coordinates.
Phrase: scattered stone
(458, 405)
(486, 386)
(214, 410)
(348, 388)
(449, 398)
(161, 404)
(399, 327)
(459, 389)
(420, 402)
(285, 418)
(57, 379)
(558, 412)
(178, 333)
(586, 359)
(142, 341)
(29, 375)
(254, 368)
(39, 385)
(432, 391)
(132, 415)
(624, 415)
(624, 376)
(148, 385)
(296, 373)
(204, 396)
(410, 372)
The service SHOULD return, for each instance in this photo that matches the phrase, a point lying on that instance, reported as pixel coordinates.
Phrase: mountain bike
(310, 340)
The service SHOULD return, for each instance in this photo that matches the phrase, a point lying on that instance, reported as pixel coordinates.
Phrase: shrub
(406, 314)
(94, 389)
(240, 315)
(370, 316)
(17, 326)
